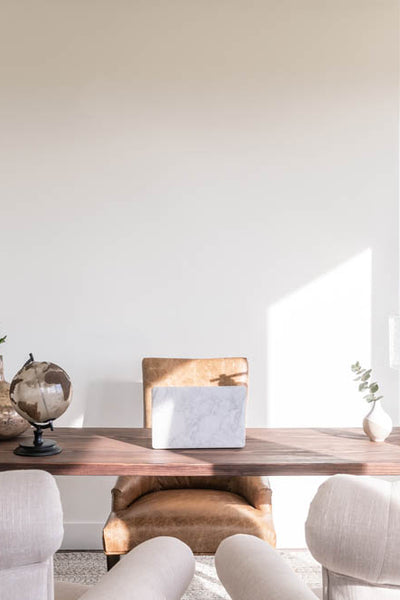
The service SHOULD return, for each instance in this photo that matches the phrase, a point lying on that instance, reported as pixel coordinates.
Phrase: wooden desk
(122, 451)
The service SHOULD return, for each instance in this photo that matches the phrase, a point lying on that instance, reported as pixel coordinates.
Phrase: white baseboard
(82, 536)
(88, 536)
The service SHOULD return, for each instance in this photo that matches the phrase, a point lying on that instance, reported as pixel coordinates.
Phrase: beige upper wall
(173, 172)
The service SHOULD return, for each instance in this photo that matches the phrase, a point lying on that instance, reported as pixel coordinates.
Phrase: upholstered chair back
(31, 530)
(190, 372)
(353, 530)
(254, 489)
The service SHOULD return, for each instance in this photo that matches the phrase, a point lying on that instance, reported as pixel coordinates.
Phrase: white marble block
(199, 417)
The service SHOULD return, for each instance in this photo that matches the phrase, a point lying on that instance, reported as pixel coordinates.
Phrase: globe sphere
(41, 392)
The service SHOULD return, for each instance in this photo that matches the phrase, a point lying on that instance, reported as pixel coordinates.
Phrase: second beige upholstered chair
(201, 511)
(31, 530)
(352, 530)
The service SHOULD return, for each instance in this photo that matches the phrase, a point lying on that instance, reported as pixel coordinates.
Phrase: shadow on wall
(114, 404)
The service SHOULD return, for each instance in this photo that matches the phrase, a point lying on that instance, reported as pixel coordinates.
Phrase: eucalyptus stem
(363, 376)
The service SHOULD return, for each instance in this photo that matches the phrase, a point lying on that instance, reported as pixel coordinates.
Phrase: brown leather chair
(200, 511)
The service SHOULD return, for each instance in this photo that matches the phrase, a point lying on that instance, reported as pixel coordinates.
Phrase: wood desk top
(123, 451)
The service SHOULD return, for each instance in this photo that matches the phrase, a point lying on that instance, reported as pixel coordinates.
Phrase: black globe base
(46, 448)
(39, 446)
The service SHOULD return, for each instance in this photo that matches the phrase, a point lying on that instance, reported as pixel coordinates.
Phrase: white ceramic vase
(377, 424)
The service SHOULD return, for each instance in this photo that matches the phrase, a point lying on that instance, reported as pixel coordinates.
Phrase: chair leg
(112, 560)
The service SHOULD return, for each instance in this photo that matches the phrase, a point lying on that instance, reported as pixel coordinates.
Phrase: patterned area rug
(88, 567)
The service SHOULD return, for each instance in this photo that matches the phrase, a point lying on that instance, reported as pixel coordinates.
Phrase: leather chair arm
(129, 488)
(250, 569)
(255, 490)
(159, 569)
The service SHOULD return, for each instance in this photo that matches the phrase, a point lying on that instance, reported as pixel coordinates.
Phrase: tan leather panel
(190, 372)
(127, 489)
(201, 518)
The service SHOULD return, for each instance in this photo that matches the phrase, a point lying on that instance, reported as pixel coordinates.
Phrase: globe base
(46, 448)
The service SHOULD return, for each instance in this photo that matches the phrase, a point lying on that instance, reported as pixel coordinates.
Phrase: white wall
(191, 178)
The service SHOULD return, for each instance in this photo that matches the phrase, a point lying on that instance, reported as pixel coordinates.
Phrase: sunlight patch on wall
(313, 337)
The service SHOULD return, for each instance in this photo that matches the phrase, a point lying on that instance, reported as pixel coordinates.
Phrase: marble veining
(199, 417)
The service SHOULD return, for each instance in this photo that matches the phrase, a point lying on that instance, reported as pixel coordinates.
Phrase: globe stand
(39, 446)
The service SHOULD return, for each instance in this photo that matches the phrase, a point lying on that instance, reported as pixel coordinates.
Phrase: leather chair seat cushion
(201, 518)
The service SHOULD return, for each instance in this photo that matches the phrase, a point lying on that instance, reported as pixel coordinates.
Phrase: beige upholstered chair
(31, 530)
(352, 530)
(201, 511)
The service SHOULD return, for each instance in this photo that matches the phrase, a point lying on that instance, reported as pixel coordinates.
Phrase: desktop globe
(40, 392)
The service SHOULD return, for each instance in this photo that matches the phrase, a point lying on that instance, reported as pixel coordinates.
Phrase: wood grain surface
(123, 451)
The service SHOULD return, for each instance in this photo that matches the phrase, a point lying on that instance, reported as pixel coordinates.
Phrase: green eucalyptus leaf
(373, 388)
(366, 375)
(3, 339)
